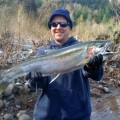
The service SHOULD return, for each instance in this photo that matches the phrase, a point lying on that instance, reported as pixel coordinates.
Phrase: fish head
(103, 48)
(99, 47)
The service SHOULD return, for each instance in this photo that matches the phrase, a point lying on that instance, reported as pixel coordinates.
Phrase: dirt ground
(105, 102)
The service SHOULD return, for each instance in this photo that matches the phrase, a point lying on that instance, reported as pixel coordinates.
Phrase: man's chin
(59, 39)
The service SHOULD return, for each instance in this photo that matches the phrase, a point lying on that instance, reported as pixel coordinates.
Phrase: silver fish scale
(56, 62)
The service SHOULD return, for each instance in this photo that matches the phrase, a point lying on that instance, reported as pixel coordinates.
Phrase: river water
(106, 107)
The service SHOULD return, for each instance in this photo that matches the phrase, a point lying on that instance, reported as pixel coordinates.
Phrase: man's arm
(94, 68)
(36, 80)
(95, 74)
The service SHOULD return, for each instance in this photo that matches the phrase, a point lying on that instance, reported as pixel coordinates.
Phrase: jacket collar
(70, 41)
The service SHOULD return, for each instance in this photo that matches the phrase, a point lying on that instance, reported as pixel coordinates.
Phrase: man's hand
(95, 61)
(34, 75)
(34, 79)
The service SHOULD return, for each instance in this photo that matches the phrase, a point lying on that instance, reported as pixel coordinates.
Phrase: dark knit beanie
(61, 12)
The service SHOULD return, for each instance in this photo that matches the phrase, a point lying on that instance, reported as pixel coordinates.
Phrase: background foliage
(28, 18)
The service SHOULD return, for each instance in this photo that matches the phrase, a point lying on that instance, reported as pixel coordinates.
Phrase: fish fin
(83, 62)
(54, 78)
(80, 64)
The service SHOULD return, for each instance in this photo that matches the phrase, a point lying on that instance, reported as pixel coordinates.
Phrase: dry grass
(29, 28)
(90, 30)
(23, 27)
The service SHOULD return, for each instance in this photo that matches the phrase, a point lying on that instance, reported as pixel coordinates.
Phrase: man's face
(60, 33)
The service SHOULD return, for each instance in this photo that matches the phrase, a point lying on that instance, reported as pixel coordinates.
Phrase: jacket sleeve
(95, 74)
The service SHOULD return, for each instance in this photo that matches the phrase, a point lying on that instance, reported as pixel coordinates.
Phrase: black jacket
(68, 97)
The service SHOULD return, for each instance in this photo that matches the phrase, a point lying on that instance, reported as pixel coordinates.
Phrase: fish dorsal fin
(54, 78)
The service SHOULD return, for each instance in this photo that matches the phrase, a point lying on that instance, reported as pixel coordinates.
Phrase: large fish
(55, 62)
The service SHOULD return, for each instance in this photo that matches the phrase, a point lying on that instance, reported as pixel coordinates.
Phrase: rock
(1, 53)
(18, 83)
(1, 104)
(21, 88)
(11, 98)
(1, 118)
(24, 117)
(9, 90)
(118, 83)
(100, 87)
(15, 89)
(102, 82)
(8, 117)
(6, 103)
(106, 90)
(21, 112)
(18, 103)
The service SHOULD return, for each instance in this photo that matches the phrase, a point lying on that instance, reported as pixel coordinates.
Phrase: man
(68, 97)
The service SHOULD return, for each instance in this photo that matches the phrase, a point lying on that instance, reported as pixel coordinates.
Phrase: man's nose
(58, 26)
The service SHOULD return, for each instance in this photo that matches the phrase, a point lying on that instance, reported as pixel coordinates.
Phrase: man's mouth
(59, 32)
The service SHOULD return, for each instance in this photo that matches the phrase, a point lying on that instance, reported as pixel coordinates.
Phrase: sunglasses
(62, 24)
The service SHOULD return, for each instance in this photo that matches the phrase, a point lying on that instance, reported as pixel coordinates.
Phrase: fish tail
(3, 85)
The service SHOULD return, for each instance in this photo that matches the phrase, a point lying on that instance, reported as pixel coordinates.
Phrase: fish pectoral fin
(82, 62)
(79, 64)
(54, 78)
